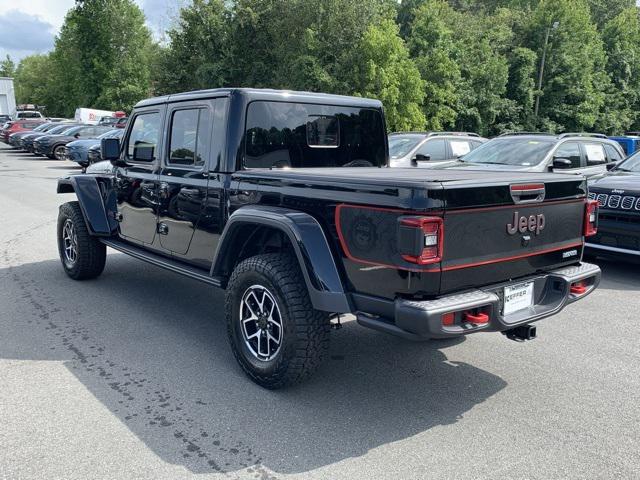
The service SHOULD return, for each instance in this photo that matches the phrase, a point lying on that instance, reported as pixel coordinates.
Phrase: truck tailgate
(528, 227)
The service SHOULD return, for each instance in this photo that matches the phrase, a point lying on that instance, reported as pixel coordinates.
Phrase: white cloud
(38, 21)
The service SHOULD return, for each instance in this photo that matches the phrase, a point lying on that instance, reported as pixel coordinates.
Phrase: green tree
(101, 57)
(299, 44)
(604, 10)
(383, 70)
(575, 82)
(30, 79)
(432, 46)
(7, 67)
(198, 54)
(480, 45)
(621, 36)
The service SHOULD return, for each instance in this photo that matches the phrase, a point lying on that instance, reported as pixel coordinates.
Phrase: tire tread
(311, 326)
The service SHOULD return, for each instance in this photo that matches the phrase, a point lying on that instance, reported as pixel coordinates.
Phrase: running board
(161, 261)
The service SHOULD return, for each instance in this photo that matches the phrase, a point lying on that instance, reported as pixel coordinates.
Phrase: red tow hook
(578, 288)
(480, 318)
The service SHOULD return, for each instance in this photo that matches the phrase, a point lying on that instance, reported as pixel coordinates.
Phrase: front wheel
(82, 255)
(275, 334)
(58, 152)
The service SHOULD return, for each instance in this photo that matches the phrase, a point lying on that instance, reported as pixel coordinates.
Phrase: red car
(18, 126)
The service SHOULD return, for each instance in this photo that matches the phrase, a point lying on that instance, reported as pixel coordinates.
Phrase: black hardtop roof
(263, 94)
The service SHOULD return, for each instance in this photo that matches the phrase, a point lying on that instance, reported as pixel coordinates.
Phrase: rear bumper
(421, 320)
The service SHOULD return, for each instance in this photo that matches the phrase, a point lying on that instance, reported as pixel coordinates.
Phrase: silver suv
(581, 153)
(426, 149)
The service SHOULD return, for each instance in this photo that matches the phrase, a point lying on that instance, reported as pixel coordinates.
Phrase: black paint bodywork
(222, 212)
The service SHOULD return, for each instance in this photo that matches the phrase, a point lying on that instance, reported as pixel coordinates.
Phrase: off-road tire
(91, 253)
(305, 330)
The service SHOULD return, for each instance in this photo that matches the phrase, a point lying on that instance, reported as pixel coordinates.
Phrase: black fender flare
(310, 246)
(97, 204)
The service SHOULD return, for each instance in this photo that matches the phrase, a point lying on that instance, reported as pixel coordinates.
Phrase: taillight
(591, 218)
(420, 239)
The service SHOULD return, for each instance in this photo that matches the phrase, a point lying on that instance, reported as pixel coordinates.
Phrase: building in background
(7, 97)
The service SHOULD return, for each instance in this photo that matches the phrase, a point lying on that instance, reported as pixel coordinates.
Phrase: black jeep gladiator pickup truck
(286, 201)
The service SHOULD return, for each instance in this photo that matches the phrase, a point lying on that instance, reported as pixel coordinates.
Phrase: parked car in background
(579, 153)
(629, 143)
(94, 155)
(53, 146)
(16, 139)
(28, 140)
(423, 149)
(17, 126)
(618, 196)
(101, 166)
(4, 119)
(77, 151)
(25, 114)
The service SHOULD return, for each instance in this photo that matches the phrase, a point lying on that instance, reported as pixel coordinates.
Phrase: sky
(30, 26)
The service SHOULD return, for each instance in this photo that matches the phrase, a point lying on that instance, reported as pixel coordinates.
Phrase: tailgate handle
(527, 193)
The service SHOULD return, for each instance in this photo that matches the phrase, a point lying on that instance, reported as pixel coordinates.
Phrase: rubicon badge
(532, 223)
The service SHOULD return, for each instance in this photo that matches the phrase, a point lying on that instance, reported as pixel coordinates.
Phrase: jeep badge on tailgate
(532, 223)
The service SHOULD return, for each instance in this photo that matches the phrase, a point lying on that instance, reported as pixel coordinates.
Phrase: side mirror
(612, 165)
(143, 153)
(562, 163)
(110, 149)
(419, 157)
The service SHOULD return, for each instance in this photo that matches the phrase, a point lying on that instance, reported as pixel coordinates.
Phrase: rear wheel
(82, 255)
(275, 334)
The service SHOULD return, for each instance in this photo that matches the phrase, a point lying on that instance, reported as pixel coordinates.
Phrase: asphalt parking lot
(130, 376)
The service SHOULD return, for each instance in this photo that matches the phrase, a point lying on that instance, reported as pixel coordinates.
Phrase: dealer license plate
(517, 297)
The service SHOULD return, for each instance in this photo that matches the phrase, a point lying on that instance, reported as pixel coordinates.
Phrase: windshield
(41, 128)
(73, 130)
(631, 164)
(301, 135)
(525, 152)
(60, 129)
(400, 145)
(107, 134)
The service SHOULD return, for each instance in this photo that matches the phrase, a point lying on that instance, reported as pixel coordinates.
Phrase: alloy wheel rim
(261, 323)
(70, 242)
(59, 153)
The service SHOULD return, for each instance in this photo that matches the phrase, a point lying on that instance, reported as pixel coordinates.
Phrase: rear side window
(570, 151)
(87, 132)
(189, 130)
(460, 147)
(612, 153)
(435, 148)
(145, 133)
(595, 154)
(284, 134)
